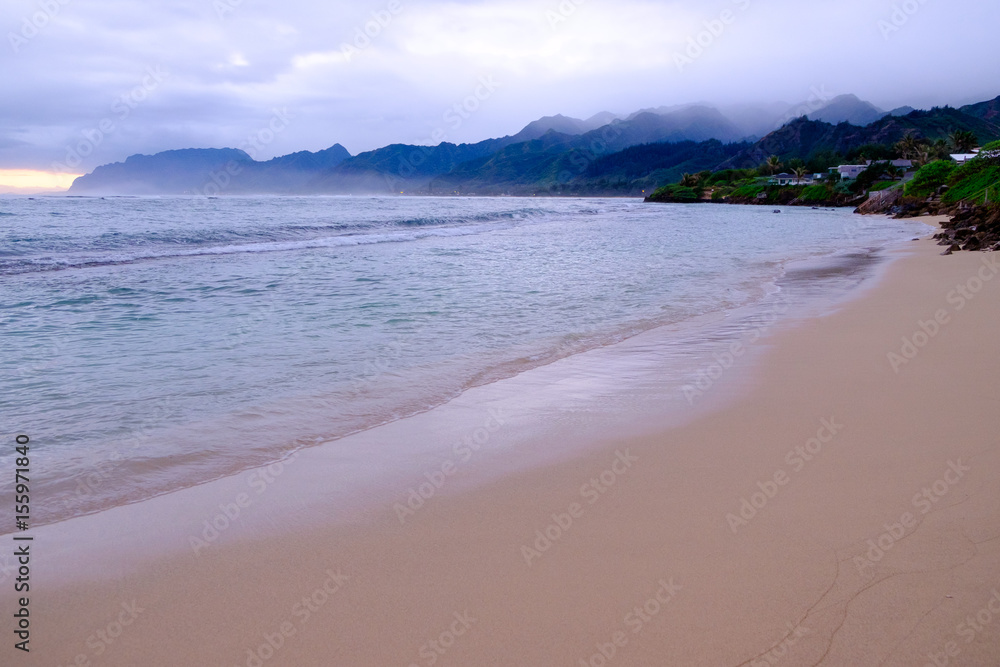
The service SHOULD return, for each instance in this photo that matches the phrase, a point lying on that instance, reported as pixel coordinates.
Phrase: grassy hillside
(974, 182)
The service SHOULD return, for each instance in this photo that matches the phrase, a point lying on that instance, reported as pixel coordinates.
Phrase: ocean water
(155, 343)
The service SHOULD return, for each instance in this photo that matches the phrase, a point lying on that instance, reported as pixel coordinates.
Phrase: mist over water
(155, 343)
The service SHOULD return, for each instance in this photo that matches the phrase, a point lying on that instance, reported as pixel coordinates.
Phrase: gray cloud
(224, 66)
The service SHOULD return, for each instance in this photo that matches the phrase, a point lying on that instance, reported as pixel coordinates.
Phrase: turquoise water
(155, 343)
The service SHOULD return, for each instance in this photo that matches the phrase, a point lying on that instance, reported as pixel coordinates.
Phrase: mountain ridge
(625, 155)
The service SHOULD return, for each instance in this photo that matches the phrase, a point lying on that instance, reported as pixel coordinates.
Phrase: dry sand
(654, 571)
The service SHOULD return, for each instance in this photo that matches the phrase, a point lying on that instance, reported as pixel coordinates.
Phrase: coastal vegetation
(976, 181)
(969, 193)
(814, 180)
(965, 188)
(755, 186)
(930, 178)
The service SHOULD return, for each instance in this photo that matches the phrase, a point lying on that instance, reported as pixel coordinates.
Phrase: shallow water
(156, 343)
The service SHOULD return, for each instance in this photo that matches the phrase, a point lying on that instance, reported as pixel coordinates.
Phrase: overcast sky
(110, 78)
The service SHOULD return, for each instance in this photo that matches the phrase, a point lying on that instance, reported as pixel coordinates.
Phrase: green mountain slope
(805, 139)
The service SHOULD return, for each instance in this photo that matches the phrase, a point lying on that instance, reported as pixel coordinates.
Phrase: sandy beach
(836, 503)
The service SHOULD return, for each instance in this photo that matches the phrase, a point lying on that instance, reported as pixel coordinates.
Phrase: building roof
(894, 163)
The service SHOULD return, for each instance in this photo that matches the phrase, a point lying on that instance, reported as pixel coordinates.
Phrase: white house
(962, 158)
(851, 170)
(791, 179)
(898, 164)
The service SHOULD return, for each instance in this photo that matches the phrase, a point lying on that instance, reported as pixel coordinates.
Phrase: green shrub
(843, 188)
(725, 176)
(748, 191)
(929, 178)
(681, 192)
(815, 193)
(882, 185)
(875, 172)
(676, 192)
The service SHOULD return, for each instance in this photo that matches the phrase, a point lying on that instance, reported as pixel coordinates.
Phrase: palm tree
(963, 141)
(689, 180)
(773, 164)
(908, 146)
(940, 150)
(799, 173)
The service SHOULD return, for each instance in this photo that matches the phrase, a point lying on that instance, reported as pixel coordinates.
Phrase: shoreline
(682, 336)
(831, 448)
(697, 338)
